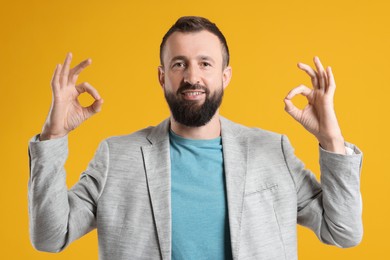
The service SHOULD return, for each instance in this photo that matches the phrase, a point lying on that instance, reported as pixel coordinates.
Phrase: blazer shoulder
(138, 138)
(254, 133)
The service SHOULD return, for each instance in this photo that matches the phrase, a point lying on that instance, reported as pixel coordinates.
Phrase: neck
(209, 131)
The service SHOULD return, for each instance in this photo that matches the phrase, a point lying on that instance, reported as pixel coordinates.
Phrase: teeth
(193, 93)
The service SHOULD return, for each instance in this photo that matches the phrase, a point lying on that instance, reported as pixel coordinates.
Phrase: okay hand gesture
(66, 113)
(318, 117)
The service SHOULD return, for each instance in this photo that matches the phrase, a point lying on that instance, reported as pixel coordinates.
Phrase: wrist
(44, 137)
(47, 135)
(334, 145)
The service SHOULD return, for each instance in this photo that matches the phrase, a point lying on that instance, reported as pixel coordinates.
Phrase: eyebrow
(180, 57)
(201, 57)
(208, 58)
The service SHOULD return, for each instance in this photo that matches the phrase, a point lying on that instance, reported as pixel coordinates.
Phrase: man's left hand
(318, 116)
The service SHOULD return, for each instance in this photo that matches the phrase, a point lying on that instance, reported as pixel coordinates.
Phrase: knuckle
(84, 84)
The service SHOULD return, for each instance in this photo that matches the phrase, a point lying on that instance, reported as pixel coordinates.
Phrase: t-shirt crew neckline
(195, 142)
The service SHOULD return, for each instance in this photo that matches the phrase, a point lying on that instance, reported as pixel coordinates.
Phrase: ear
(161, 76)
(227, 75)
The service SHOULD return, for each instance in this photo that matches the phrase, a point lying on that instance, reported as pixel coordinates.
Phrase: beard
(189, 112)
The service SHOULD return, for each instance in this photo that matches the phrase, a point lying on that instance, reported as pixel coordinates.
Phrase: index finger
(86, 87)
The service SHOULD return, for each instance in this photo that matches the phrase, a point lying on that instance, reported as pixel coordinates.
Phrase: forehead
(192, 45)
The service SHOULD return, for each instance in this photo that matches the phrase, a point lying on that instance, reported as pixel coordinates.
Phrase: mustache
(188, 86)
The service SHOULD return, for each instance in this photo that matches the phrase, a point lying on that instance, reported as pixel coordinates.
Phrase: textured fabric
(125, 193)
(200, 227)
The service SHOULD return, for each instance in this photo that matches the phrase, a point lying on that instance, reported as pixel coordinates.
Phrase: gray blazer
(125, 194)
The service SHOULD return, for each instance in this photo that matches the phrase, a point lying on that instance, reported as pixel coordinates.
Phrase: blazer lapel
(158, 175)
(234, 148)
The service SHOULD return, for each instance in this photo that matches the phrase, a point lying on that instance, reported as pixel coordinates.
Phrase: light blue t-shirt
(200, 227)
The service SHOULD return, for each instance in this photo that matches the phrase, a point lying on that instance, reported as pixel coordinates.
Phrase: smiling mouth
(192, 93)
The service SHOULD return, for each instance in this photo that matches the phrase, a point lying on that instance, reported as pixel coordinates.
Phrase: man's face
(193, 76)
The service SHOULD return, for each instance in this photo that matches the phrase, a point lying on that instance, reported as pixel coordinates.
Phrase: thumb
(93, 109)
(291, 109)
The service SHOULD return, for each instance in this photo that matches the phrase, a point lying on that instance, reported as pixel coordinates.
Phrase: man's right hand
(66, 113)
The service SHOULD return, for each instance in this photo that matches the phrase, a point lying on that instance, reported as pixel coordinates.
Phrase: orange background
(266, 39)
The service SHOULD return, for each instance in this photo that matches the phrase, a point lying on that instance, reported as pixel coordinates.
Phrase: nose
(192, 75)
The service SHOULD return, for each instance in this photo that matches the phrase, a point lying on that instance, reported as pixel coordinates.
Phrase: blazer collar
(160, 133)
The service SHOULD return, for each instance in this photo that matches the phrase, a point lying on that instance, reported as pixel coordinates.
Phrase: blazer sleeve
(332, 208)
(57, 215)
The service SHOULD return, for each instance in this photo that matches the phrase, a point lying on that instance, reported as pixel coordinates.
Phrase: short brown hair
(188, 24)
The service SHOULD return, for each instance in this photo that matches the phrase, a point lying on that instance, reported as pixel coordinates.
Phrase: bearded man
(197, 186)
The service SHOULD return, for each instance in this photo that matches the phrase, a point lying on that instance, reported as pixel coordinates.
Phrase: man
(197, 186)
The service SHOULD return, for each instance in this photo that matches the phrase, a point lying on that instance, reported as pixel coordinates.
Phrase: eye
(206, 65)
(178, 65)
